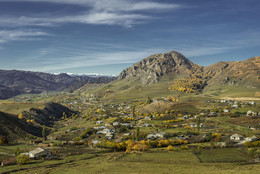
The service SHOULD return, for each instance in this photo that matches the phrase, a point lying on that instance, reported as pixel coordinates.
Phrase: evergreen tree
(198, 122)
(133, 111)
(137, 133)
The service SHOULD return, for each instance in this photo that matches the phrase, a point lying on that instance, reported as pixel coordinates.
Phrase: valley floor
(149, 162)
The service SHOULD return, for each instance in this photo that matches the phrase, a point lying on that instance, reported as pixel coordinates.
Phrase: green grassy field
(222, 155)
(17, 108)
(158, 162)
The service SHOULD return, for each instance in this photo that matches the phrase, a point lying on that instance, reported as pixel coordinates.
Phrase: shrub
(3, 140)
(86, 133)
(184, 147)
(22, 159)
(170, 148)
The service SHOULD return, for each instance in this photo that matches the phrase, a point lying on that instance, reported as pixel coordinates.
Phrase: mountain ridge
(15, 82)
(172, 73)
(150, 69)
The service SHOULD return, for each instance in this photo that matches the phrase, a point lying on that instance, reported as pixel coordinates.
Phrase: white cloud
(106, 18)
(107, 12)
(113, 5)
(84, 59)
(20, 34)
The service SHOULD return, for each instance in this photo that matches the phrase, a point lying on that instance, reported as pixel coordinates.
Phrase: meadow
(148, 162)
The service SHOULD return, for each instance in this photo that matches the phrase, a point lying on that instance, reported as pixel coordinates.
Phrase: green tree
(22, 159)
(137, 133)
(148, 101)
(133, 110)
(198, 121)
(17, 151)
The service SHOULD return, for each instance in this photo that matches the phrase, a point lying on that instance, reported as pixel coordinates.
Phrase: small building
(160, 134)
(251, 139)
(236, 137)
(126, 124)
(194, 125)
(251, 113)
(109, 136)
(146, 125)
(94, 142)
(108, 124)
(116, 123)
(226, 110)
(251, 103)
(221, 144)
(235, 106)
(39, 152)
(147, 118)
(185, 117)
(99, 122)
(127, 134)
(212, 114)
(151, 136)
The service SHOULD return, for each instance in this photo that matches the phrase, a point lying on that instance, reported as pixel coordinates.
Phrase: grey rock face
(152, 68)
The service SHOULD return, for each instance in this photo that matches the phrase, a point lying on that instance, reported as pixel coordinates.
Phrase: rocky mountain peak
(152, 68)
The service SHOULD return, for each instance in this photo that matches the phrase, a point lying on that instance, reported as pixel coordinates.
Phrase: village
(128, 127)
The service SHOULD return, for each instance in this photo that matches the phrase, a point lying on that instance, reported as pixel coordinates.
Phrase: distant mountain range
(14, 82)
(161, 73)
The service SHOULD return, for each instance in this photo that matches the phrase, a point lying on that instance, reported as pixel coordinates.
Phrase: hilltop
(151, 69)
(172, 73)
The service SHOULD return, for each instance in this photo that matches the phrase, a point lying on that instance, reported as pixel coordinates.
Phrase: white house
(236, 137)
(126, 124)
(251, 113)
(94, 142)
(146, 125)
(99, 122)
(116, 123)
(251, 139)
(234, 106)
(160, 134)
(226, 110)
(156, 135)
(39, 152)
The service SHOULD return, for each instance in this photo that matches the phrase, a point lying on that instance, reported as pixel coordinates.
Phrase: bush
(22, 159)
(86, 133)
(17, 151)
(123, 129)
(3, 140)
(170, 148)
(184, 147)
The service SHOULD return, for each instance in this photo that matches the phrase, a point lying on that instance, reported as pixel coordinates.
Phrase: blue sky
(106, 36)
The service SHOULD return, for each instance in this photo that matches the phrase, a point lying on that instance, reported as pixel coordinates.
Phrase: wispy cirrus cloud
(113, 5)
(106, 12)
(105, 18)
(88, 59)
(21, 34)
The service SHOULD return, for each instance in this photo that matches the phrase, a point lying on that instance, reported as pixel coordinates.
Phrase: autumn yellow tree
(20, 116)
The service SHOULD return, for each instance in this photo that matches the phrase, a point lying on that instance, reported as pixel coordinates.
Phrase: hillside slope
(14, 128)
(172, 74)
